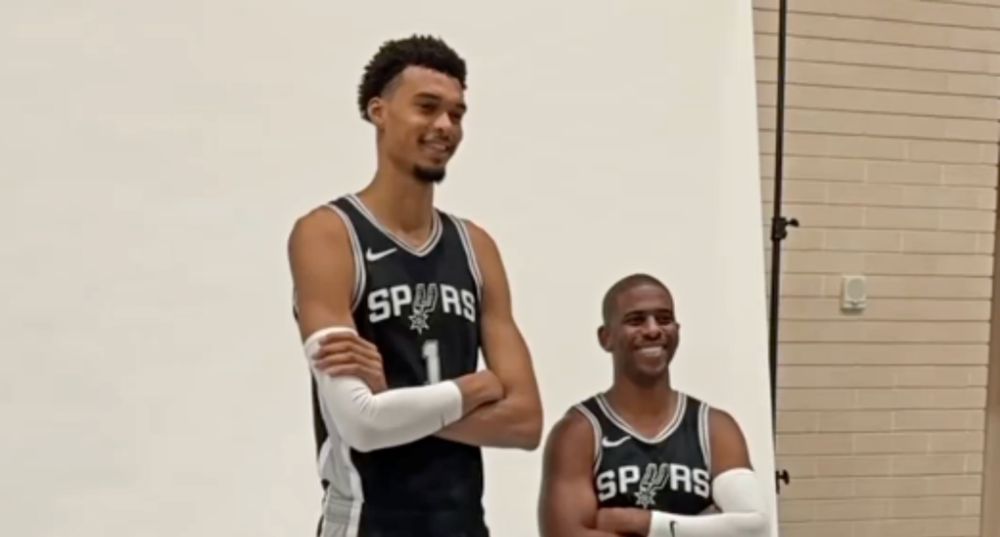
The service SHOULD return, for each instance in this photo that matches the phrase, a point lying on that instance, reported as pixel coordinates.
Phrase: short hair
(624, 284)
(396, 55)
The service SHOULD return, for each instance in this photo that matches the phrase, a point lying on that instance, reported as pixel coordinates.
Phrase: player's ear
(376, 111)
(604, 338)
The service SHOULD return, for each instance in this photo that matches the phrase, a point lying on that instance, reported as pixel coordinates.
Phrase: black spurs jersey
(421, 308)
(669, 472)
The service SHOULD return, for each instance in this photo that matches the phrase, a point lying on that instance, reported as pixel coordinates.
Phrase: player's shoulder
(318, 224)
(571, 431)
(569, 447)
(476, 231)
(484, 246)
(320, 219)
(695, 403)
(581, 417)
(713, 410)
(720, 420)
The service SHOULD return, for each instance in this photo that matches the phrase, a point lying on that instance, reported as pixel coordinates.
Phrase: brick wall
(891, 168)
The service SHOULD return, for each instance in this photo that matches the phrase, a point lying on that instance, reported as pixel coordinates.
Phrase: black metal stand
(779, 230)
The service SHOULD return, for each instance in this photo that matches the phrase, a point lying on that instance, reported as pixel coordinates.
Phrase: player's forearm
(583, 531)
(551, 527)
(744, 512)
(579, 531)
(737, 494)
(718, 525)
(512, 422)
(662, 524)
(368, 421)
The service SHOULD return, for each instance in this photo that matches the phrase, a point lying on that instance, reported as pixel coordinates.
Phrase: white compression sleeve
(368, 421)
(737, 493)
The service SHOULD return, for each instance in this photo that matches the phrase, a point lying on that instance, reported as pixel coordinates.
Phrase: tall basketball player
(394, 300)
(643, 458)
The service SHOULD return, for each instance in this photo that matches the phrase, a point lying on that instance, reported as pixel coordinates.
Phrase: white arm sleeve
(737, 493)
(367, 421)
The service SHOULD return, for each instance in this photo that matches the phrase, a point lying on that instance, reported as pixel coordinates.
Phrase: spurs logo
(652, 482)
(645, 481)
(423, 304)
(419, 303)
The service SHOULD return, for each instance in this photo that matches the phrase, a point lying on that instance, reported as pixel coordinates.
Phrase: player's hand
(345, 354)
(494, 388)
(479, 388)
(623, 520)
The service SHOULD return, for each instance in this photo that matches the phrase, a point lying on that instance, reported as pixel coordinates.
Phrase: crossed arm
(515, 420)
(499, 405)
(568, 505)
(347, 369)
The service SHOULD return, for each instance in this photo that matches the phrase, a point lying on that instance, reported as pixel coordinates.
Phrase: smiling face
(420, 121)
(641, 333)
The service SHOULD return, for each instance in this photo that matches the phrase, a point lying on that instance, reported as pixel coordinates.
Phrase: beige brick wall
(891, 142)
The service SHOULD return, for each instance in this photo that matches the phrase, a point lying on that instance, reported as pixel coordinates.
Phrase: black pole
(779, 231)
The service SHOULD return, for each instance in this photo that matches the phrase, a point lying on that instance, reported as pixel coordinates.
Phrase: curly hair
(396, 55)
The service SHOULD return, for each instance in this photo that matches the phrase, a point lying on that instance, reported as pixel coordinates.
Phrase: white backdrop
(154, 155)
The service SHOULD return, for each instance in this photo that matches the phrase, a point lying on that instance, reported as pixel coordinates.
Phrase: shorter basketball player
(643, 458)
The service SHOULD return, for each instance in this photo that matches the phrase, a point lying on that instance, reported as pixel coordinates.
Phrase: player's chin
(429, 173)
(647, 377)
(437, 164)
(651, 366)
(655, 370)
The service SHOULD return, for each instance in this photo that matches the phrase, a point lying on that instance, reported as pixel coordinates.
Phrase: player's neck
(401, 203)
(643, 402)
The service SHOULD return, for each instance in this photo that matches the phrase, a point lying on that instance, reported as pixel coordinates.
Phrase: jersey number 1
(433, 361)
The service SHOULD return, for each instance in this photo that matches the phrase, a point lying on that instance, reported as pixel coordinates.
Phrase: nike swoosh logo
(372, 256)
(613, 443)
